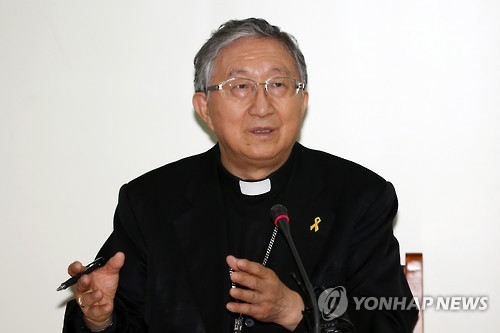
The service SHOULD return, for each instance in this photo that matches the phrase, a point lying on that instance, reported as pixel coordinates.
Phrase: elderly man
(193, 247)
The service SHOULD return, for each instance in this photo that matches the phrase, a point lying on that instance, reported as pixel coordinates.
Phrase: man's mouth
(262, 131)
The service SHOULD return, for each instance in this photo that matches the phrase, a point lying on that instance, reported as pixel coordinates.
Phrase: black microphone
(279, 214)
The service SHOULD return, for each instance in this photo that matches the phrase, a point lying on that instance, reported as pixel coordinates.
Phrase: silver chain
(238, 322)
(270, 246)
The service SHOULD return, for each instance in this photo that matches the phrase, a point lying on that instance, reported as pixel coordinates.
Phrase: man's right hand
(95, 292)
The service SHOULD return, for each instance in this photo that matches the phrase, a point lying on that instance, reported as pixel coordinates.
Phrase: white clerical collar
(255, 188)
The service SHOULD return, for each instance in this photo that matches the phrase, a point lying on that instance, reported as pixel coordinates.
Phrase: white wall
(94, 93)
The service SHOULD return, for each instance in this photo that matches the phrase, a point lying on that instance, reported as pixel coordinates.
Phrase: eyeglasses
(242, 89)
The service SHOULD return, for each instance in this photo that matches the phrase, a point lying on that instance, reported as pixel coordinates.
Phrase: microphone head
(279, 212)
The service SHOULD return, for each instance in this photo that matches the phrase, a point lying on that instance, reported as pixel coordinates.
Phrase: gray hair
(236, 29)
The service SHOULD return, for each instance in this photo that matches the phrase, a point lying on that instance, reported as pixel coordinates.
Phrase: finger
(75, 268)
(246, 280)
(92, 298)
(245, 295)
(83, 285)
(83, 301)
(115, 263)
(257, 277)
(93, 308)
(91, 305)
(98, 312)
(250, 267)
(243, 308)
(231, 261)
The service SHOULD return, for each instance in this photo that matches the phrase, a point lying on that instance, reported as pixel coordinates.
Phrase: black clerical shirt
(250, 228)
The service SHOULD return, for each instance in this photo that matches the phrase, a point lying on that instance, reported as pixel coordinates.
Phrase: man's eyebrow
(281, 70)
(278, 70)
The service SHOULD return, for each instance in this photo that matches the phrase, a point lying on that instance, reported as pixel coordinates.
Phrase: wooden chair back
(413, 270)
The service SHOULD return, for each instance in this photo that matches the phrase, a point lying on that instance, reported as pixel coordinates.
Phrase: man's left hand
(266, 298)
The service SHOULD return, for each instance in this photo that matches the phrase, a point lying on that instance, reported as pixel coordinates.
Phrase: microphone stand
(311, 302)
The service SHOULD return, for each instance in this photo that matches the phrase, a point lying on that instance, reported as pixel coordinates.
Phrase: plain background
(95, 93)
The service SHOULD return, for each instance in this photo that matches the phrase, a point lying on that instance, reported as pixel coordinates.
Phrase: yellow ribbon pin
(315, 225)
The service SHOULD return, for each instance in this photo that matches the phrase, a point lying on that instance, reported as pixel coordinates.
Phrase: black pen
(99, 262)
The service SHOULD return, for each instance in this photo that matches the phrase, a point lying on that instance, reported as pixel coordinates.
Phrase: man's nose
(262, 105)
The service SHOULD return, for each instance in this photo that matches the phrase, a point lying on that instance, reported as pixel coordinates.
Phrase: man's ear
(305, 102)
(200, 104)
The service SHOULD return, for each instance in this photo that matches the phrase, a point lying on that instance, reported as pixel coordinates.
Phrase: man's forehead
(255, 56)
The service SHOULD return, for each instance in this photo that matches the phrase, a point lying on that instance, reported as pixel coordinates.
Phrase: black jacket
(170, 225)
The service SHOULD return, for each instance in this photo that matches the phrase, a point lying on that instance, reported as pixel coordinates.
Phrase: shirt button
(249, 322)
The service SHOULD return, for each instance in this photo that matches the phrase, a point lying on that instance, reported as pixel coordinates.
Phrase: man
(193, 248)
